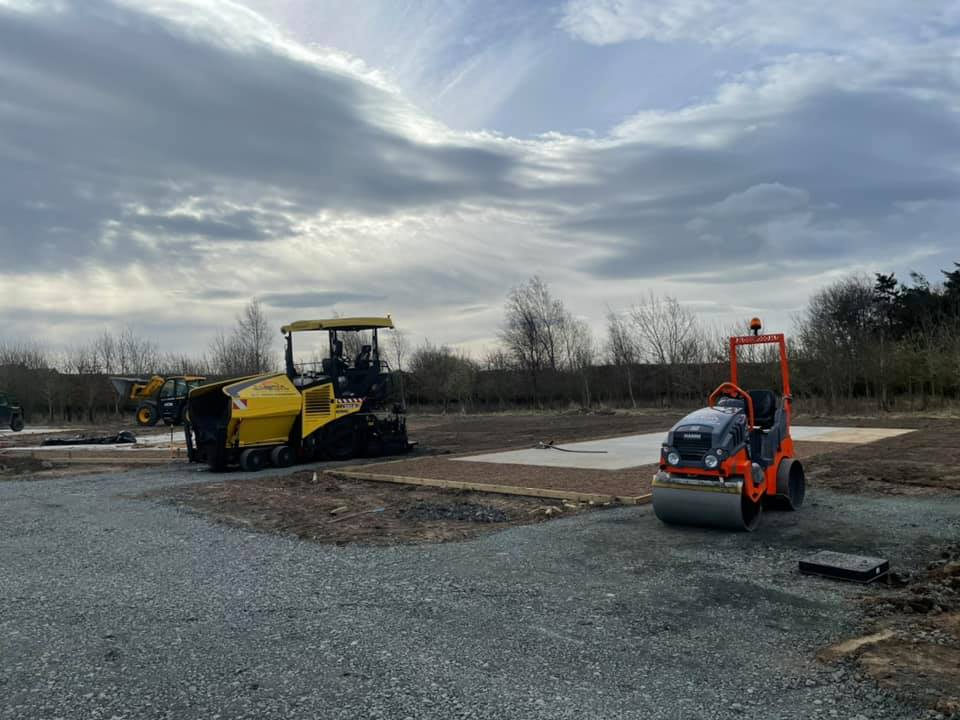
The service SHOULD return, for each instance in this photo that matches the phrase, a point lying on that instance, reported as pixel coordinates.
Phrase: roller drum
(704, 503)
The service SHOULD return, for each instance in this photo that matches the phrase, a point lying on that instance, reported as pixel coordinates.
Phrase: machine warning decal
(239, 404)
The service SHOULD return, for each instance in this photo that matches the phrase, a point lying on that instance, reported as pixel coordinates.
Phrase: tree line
(73, 384)
(880, 342)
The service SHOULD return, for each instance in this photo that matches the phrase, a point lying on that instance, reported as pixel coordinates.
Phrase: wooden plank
(111, 460)
(79, 457)
(490, 488)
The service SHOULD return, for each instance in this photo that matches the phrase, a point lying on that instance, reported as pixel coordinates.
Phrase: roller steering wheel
(731, 390)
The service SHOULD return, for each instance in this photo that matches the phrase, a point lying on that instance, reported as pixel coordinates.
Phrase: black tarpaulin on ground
(120, 438)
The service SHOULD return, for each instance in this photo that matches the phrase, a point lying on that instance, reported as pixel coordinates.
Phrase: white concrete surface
(857, 436)
(634, 450)
(31, 430)
(615, 454)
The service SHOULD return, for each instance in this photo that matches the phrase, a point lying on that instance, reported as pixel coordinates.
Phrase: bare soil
(381, 513)
(14, 467)
(630, 482)
(926, 462)
(478, 433)
(913, 644)
(296, 504)
(324, 508)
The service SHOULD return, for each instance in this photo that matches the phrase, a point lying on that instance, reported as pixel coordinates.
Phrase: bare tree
(533, 330)
(622, 348)
(398, 347)
(21, 365)
(247, 349)
(256, 339)
(498, 377)
(135, 355)
(84, 362)
(668, 335)
(836, 329)
(579, 351)
(441, 375)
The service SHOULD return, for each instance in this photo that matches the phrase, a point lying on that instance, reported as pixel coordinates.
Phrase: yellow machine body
(140, 389)
(318, 409)
(264, 408)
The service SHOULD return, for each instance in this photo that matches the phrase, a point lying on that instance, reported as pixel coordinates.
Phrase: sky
(162, 162)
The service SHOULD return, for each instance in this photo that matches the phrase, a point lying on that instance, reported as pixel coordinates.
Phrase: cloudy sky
(163, 161)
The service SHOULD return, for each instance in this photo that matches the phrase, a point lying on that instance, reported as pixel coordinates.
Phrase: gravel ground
(121, 608)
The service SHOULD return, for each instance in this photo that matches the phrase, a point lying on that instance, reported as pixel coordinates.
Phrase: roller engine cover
(707, 429)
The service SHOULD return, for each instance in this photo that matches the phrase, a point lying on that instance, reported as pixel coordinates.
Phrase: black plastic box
(841, 566)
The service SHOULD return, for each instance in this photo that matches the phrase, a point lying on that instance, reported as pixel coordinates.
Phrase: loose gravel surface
(121, 608)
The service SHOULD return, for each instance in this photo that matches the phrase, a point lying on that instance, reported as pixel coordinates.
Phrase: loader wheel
(791, 485)
(281, 456)
(252, 460)
(147, 415)
(16, 423)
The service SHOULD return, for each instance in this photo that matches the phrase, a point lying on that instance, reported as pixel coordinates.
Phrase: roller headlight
(711, 461)
(673, 457)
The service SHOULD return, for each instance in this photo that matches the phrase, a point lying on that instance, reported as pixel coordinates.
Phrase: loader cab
(172, 398)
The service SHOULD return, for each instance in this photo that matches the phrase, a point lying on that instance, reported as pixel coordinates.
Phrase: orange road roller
(720, 465)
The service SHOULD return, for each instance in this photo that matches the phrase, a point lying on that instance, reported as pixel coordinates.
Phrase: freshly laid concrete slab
(610, 454)
(856, 436)
(635, 450)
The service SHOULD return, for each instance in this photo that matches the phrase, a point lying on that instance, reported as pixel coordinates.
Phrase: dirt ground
(630, 482)
(325, 508)
(913, 642)
(13, 467)
(479, 433)
(635, 481)
(378, 512)
(919, 463)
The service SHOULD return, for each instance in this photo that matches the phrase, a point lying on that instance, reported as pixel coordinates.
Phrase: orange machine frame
(740, 463)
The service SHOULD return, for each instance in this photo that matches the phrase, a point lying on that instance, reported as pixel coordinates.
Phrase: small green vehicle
(11, 414)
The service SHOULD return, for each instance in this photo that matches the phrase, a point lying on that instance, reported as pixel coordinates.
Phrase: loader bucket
(123, 385)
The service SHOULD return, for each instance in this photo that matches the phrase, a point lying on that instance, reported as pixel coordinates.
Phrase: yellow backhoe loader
(331, 409)
(156, 398)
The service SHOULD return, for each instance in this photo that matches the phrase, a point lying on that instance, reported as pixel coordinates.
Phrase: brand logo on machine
(692, 436)
(348, 405)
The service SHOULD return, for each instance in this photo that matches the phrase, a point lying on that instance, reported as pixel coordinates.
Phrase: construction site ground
(121, 597)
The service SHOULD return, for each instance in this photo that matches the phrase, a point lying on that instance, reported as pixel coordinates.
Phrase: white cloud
(172, 162)
(848, 26)
(772, 198)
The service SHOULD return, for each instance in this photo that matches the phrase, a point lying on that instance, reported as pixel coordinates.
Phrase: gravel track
(122, 608)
